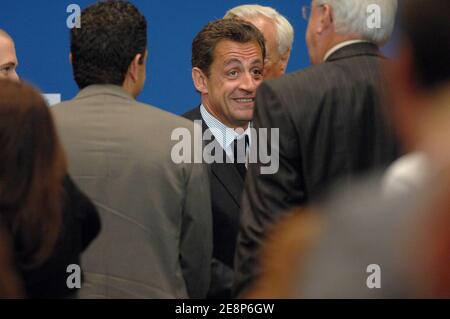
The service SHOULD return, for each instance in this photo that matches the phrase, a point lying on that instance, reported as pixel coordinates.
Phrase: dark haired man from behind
(157, 235)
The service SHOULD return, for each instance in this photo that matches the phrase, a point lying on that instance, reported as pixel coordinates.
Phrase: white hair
(285, 31)
(350, 16)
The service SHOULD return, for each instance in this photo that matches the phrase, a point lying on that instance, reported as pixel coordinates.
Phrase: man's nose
(248, 83)
(14, 76)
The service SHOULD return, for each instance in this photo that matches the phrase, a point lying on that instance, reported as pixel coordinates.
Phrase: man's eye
(257, 72)
(232, 73)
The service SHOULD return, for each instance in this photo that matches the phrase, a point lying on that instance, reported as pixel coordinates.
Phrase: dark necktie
(240, 157)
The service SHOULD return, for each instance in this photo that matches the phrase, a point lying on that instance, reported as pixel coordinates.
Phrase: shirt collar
(104, 89)
(223, 134)
(340, 46)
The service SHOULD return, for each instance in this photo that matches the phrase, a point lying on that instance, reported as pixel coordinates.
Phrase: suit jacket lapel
(227, 174)
(230, 178)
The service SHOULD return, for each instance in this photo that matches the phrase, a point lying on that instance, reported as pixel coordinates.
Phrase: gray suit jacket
(156, 239)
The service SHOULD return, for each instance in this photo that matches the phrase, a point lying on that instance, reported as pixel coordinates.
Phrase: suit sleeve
(196, 235)
(91, 222)
(85, 211)
(267, 195)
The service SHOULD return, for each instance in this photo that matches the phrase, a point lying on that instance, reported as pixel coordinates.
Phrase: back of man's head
(426, 27)
(354, 17)
(112, 33)
(284, 29)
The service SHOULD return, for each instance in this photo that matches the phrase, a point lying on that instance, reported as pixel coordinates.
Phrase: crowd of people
(361, 183)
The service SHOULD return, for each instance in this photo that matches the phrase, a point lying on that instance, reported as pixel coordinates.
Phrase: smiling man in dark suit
(228, 62)
(330, 119)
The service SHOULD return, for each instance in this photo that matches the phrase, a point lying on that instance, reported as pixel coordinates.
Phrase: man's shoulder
(193, 114)
(313, 76)
(161, 116)
(326, 72)
(312, 84)
(307, 84)
(294, 86)
(140, 112)
(60, 107)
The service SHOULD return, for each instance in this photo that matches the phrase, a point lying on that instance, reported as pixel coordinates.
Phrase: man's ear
(70, 58)
(200, 80)
(285, 59)
(326, 18)
(133, 69)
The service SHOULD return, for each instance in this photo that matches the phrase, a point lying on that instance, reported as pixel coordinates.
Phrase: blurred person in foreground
(49, 220)
(157, 236)
(11, 286)
(277, 31)
(369, 244)
(330, 118)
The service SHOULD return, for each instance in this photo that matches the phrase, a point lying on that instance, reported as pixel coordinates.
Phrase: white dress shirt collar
(223, 134)
(340, 46)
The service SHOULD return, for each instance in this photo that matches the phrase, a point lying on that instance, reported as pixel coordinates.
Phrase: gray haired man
(330, 120)
(277, 31)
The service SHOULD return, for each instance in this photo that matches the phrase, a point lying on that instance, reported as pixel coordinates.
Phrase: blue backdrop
(42, 43)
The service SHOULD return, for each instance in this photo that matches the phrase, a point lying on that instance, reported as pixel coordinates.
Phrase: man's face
(273, 65)
(235, 74)
(312, 37)
(8, 59)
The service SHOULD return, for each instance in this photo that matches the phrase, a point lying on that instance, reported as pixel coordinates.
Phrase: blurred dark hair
(32, 169)
(426, 26)
(235, 30)
(112, 33)
(11, 286)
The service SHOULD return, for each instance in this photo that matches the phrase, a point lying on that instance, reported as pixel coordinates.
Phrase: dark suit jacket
(332, 127)
(226, 193)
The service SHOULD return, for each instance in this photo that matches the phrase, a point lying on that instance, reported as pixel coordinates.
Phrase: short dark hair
(426, 26)
(207, 39)
(112, 33)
